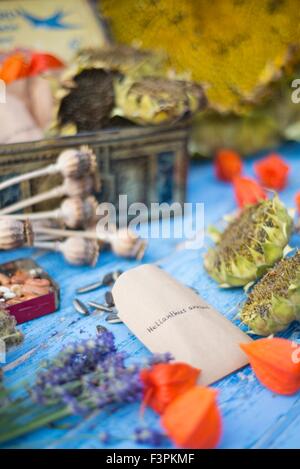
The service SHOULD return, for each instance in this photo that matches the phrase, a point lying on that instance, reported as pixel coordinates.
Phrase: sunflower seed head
(274, 302)
(250, 244)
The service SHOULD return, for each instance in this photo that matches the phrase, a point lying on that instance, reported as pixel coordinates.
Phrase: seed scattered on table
(80, 307)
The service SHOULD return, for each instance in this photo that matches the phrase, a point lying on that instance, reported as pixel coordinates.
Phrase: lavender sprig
(85, 376)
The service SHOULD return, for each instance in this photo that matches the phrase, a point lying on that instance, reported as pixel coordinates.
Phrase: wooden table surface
(253, 417)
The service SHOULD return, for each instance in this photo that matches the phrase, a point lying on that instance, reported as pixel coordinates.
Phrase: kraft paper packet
(169, 317)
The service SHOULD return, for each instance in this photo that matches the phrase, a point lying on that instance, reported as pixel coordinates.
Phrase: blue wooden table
(253, 416)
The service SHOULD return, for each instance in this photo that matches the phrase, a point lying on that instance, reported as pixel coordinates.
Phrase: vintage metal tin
(35, 307)
(148, 164)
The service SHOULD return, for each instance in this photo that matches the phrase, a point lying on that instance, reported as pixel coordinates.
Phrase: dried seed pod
(74, 212)
(251, 243)
(74, 162)
(126, 243)
(8, 332)
(274, 301)
(14, 233)
(76, 104)
(76, 250)
(79, 213)
(80, 251)
(156, 100)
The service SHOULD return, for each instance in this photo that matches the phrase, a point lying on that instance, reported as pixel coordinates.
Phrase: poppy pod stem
(70, 188)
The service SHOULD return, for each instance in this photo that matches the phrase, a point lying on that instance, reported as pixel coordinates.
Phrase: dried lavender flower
(89, 375)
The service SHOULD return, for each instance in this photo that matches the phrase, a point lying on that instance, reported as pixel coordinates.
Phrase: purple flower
(90, 375)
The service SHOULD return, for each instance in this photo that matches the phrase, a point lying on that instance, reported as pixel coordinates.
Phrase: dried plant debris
(250, 244)
(8, 332)
(274, 301)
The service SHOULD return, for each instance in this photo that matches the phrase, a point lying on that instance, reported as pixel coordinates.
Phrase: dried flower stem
(70, 188)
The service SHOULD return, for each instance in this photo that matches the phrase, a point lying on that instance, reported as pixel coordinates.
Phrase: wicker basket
(149, 164)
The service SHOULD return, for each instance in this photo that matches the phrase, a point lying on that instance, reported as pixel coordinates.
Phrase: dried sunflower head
(8, 332)
(155, 100)
(274, 301)
(250, 244)
(86, 101)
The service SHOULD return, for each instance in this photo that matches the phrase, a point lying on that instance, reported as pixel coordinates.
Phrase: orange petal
(193, 420)
(276, 363)
(272, 171)
(41, 62)
(14, 67)
(297, 200)
(228, 165)
(247, 191)
(165, 381)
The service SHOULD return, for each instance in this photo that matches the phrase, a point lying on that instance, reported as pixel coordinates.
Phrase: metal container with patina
(148, 164)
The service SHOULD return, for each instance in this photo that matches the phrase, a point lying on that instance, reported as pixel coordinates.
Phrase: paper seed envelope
(170, 317)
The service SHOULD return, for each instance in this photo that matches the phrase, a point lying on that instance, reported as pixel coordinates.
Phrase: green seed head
(251, 243)
(8, 332)
(274, 301)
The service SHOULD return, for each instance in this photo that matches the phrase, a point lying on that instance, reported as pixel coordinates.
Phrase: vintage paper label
(54, 26)
(170, 317)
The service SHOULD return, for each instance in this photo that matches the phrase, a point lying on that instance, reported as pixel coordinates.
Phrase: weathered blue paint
(253, 416)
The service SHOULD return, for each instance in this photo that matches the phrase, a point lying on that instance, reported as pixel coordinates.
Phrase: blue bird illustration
(54, 21)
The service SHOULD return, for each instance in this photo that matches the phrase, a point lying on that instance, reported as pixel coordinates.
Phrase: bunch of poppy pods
(190, 414)
(271, 171)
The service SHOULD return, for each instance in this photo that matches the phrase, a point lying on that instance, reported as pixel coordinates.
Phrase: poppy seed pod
(77, 212)
(75, 163)
(126, 243)
(76, 250)
(74, 212)
(80, 251)
(14, 233)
